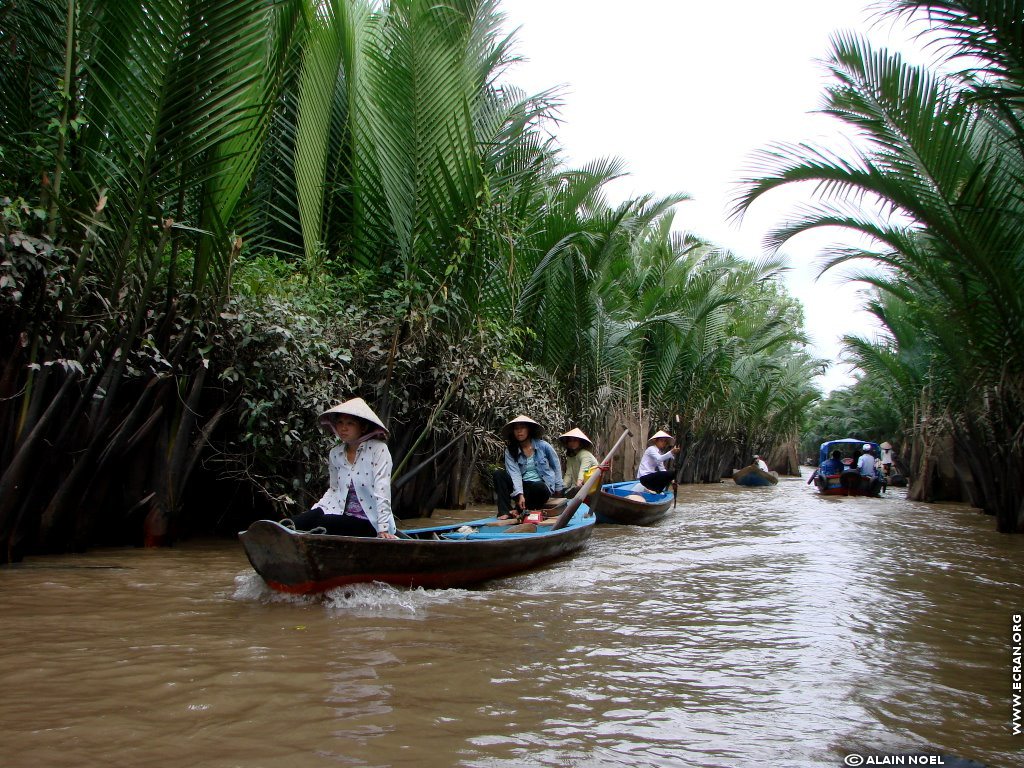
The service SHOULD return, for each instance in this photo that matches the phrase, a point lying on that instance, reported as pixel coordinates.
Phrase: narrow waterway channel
(753, 627)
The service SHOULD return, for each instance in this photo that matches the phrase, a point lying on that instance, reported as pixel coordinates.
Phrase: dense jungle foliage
(220, 217)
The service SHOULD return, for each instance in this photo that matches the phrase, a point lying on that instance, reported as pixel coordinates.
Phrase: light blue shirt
(866, 465)
(545, 462)
(530, 471)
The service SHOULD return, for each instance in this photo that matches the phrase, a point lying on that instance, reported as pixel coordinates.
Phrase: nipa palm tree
(942, 155)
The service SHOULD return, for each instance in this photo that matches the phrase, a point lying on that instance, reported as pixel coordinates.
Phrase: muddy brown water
(754, 626)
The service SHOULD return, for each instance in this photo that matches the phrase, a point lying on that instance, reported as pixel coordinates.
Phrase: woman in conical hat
(532, 472)
(356, 408)
(886, 457)
(652, 473)
(579, 458)
(358, 499)
(536, 430)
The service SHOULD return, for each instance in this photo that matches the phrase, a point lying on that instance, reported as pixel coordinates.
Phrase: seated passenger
(832, 465)
(651, 472)
(358, 498)
(866, 462)
(865, 468)
(579, 460)
(532, 472)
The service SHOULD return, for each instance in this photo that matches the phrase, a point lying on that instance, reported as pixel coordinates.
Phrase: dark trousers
(870, 484)
(536, 493)
(336, 525)
(657, 481)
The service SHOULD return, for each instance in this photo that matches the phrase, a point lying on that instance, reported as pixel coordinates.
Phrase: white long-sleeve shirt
(370, 474)
(653, 461)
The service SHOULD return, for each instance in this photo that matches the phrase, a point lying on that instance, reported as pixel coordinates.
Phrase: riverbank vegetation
(937, 190)
(219, 217)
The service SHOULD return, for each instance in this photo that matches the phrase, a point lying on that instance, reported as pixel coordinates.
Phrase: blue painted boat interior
(630, 487)
(451, 533)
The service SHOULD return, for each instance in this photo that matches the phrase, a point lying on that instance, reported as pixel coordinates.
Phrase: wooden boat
(629, 503)
(754, 476)
(849, 482)
(441, 556)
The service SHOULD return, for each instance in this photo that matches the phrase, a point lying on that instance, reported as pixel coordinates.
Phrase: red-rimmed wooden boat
(629, 503)
(754, 476)
(442, 556)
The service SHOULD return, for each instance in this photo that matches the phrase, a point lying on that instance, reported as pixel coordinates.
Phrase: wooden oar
(678, 464)
(592, 482)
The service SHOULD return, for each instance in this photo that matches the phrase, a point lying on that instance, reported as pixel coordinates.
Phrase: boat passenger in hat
(886, 458)
(866, 462)
(532, 472)
(761, 464)
(652, 473)
(866, 468)
(579, 459)
(358, 499)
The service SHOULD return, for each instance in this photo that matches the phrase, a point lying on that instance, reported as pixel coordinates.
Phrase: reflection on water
(754, 626)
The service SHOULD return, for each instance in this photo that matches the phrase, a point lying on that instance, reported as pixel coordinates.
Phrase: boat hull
(847, 484)
(754, 476)
(303, 563)
(612, 507)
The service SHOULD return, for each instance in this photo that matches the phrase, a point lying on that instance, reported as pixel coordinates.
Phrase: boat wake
(249, 587)
(386, 599)
(373, 598)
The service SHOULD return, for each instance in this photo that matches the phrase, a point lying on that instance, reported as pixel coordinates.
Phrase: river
(754, 626)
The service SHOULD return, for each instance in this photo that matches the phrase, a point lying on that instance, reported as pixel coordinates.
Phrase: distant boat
(754, 476)
(441, 556)
(849, 482)
(629, 503)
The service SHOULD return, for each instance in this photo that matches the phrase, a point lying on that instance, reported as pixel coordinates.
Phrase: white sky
(685, 91)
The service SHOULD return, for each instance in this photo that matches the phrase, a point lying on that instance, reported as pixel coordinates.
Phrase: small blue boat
(754, 476)
(629, 503)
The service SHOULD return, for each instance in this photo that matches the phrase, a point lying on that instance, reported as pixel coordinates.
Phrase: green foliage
(862, 410)
(221, 217)
(286, 366)
(943, 155)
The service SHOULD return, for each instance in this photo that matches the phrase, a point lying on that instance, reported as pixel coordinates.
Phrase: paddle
(678, 465)
(592, 482)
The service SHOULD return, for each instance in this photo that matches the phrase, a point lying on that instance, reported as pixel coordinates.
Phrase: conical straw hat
(536, 430)
(579, 435)
(658, 434)
(355, 407)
